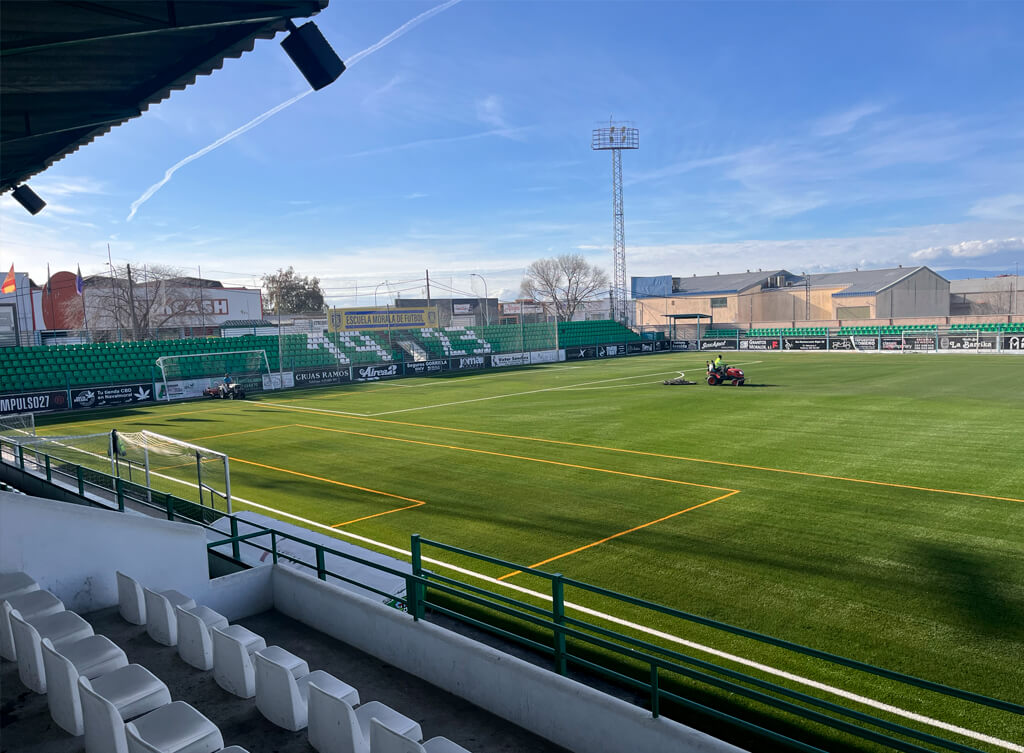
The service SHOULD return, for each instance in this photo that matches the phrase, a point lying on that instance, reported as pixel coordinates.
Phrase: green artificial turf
(867, 505)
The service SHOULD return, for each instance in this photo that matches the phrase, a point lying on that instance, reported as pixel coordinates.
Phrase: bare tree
(567, 281)
(138, 300)
(294, 294)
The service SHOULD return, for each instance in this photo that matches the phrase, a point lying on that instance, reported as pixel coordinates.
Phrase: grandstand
(90, 364)
(789, 332)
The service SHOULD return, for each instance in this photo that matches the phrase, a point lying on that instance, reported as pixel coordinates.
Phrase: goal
(187, 375)
(917, 341)
(15, 425)
(141, 456)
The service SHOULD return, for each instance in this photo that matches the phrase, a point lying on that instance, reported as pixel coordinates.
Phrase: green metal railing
(551, 627)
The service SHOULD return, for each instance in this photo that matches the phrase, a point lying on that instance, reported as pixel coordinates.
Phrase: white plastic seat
(61, 628)
(111, 700)
(161, 622)
(14, 583)
(30, 604)
(282, 698)
(131, 602)
(195, 646)
(335, 727)
(174, 728)
(92, 657)
(386, 740)
(233, 670)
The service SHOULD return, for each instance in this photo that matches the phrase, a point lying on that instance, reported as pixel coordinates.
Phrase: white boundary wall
(564, 711)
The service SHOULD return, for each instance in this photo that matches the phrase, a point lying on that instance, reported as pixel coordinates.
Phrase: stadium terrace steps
(789, 332)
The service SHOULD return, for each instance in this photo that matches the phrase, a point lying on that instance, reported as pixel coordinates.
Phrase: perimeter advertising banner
(122, 394)
(543, 356)
(1013, 342)
(853, 342)
(805, 343)
(471, 362)
(376, 319)
(760, 343)
(611, 351)
(635, 348)
(967, 342)
(576, 354)
(721, 343)
(376, 372)
(321, 375)
(684, 345)
(510, 359)
(34, 402)
(420, 368)
(908, 342)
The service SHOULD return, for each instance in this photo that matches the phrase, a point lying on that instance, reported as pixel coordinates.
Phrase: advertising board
(543, 356)
(760, 343)
(34, 402)
(321, 375)
(376, 372)
(805, 343)
(510, 359)
(470, 362)
(1013, 342)
(684, 345)
(635, 348)
(968, 342)
(576, 354)
(121, 394)
(418, 368)
(720, 343)
(611, 351)
(181, 389)
(376, 319)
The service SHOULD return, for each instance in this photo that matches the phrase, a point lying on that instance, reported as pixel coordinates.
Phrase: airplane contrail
(384, 42)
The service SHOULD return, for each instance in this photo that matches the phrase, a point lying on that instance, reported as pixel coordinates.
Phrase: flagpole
(49, 295)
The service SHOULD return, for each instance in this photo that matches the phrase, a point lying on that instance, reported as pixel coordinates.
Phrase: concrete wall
(566, 712)
(924, 293)
(74, 551)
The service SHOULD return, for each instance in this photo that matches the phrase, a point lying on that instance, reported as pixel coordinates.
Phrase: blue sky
(809, 136)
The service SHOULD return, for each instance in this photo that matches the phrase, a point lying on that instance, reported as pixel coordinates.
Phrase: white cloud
(969, 249)
(1007, 207)
(840, 123)
(489, 111)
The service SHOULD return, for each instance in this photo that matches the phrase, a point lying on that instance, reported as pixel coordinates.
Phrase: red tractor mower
(725, 374)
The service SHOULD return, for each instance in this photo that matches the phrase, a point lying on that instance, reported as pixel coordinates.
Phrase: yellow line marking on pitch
(415, 502)
(661, 455)
(518, 457)
(616, 535)
(247, 431)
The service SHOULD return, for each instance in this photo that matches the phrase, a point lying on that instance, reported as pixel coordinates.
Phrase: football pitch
(871, 506)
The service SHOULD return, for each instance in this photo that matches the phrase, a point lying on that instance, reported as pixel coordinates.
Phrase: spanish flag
(9, 285)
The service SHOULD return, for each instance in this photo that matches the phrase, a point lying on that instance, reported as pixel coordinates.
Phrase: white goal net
(15, 425)
(145, 457)
(187, 375)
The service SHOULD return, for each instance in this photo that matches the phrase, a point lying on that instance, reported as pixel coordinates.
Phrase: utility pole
(428, 288)
(131, 303)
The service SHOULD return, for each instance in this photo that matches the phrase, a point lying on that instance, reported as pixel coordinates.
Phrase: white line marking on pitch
(671, 638)
(648, 631)
(481, 399)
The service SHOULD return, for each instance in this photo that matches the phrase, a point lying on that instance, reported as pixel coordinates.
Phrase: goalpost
(136, 457)
(916, 337)
(18, 425)
(187, 375)
(146, 454)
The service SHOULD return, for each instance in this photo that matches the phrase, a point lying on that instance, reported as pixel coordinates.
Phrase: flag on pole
(9, 285)
(78, 281)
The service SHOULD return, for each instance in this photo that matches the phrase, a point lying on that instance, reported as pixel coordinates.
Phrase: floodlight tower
(616, 137)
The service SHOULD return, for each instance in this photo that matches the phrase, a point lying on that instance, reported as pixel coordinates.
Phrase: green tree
(295, 294)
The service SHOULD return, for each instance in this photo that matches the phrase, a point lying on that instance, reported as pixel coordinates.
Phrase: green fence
(579, 640)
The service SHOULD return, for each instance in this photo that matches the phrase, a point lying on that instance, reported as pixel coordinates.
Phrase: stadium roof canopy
(71, 71)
